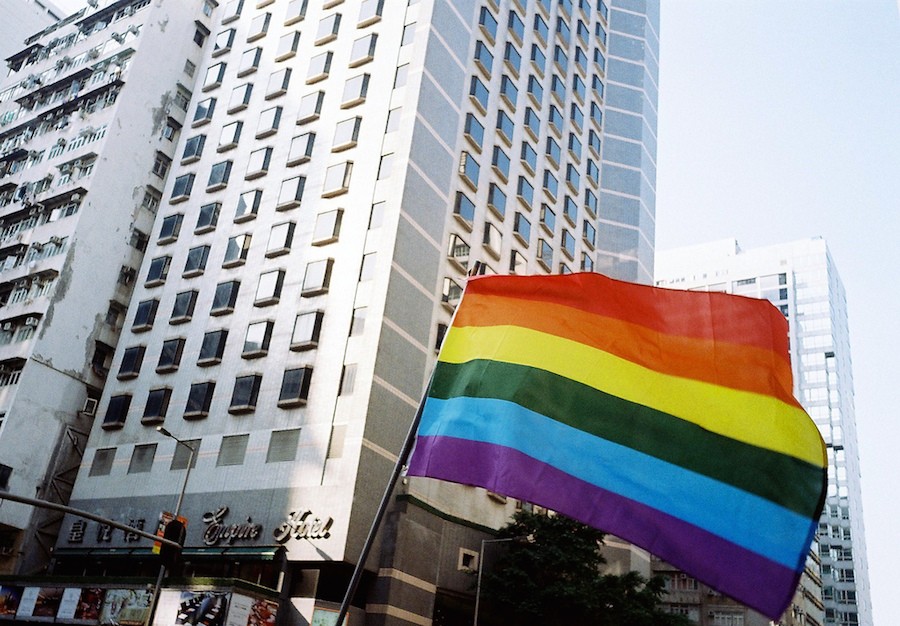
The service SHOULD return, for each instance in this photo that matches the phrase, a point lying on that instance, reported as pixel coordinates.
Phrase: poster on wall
(80, 606)
(203, 608)
(9, 601)
(325, 617)
(126, 607)
(247, 611)
(39, 604)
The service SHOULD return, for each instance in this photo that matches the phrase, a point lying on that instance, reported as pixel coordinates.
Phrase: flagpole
(392, 482)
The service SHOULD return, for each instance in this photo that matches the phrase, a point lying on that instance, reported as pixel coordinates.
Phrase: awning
(241, 553)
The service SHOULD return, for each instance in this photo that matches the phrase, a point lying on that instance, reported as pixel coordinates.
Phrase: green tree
(556, 579)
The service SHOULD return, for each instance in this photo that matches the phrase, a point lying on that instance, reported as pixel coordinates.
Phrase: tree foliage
(556, 579)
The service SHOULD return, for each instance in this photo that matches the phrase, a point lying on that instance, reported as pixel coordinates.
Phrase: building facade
(344, 165)
(22, 18)
(89, 118)
(801, 279)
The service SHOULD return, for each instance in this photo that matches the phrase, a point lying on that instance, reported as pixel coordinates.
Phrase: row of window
(283, 447)
(244, 395)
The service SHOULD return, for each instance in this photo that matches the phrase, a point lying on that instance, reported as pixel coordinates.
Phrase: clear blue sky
(780, 120)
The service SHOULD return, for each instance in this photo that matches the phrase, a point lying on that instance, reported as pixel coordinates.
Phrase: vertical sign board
(164, 518)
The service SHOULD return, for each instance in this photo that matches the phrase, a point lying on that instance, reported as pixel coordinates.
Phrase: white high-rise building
(800, 278)
(90, 113)
(344, 165)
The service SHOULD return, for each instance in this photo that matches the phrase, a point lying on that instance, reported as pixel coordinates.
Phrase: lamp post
(526, 538)
(162, 567)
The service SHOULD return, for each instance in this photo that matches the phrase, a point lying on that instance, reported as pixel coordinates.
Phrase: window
(278, 83)
(513, 58)
(181, 190)
(577, 117)
(232, 11)
(500, 161)
(393, 120)
(287, 46)
(590, 202)
(328, 29)
(131, 362)
(401, 75)
(593, 171)
(337, 179)
(529, 157)
(327, 227)
(232, 450)
(355, 90)
(508, 92)
(469, 169)
(474, 131)
(212, 348)
(497, 200)
(483, 58)
(225, 297)
(548, 219)
(307, 327)
(587, 263)
(538, 59)
(204, 111)
(231, 134)
(236, 251)
(195, 263)
(183, 308)
(247, 205)
(258, 163)
(193, 148)
(142, 458)
(493, 239)
(348, 379)
(596, 114)
(570, 210)
(256, 340)
(575, 147)
(268, 122)
(451, 293)
(259, 26)
(594, 142)
(581, 59)
(553, 152)
(280, 238)
(358, 321)
(488, 24)
(208, 218)
(160, 164)
(199, 400)
(370, 12)
(561, 59)
(478, 93)
(568, 244)
(245, 394)
(268, 290)
(522, 229)
(545, 254)
(183, 455)
(103, 462)
(573, 178)
(117, 411)
(516, 26)
(505, 126)
(159, 270)
(319, 67)
(525, 191)
(541, 30)
(589, 234)
(310, 107)
(532, 123)
(535, 91)
(578, 88)
(597, 85)
(283, 444)
(223, 42)
(170, 228)
(291, 193)
(409, 34)
(170, 356)
(214, 75)
(563, 32)
(464, 209)
(150, 201)
(385, 165)
(249, 61)
(296, 11)
(295, 387)
(144, 315)
(240, 98)
(317, 277)
(157, 405)
(363, 50)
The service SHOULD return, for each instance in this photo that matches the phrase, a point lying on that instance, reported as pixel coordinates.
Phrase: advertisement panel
(247, 611)
(10, 597)
(39, 604)
(81, 606)
(126, 607)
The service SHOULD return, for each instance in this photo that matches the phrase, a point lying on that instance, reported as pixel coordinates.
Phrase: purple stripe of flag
(731, 569)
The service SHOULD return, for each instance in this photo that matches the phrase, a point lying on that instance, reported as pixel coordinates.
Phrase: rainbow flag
(663, 417)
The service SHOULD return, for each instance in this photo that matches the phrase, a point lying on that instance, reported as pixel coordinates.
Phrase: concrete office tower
(800, 278)
(344, 165)
(89, 119)
(22, 18)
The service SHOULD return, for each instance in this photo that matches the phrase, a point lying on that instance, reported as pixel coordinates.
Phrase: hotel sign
(303, 525)
(218, 531)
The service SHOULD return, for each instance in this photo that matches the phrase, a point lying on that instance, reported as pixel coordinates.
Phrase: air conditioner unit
(7, 326)
(93, 53)
(31, 321)
(37, 246)
(90, 406)
(87, 130)
(76, 197)
(118, 37)
(56, 240)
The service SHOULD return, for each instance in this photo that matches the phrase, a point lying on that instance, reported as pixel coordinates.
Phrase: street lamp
(162, 567)
(526, 538)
